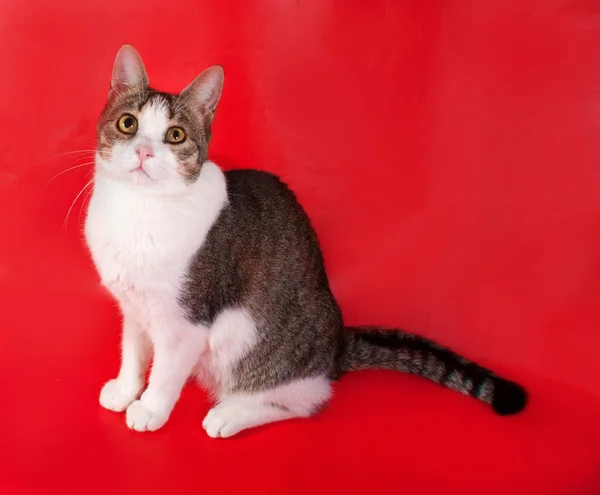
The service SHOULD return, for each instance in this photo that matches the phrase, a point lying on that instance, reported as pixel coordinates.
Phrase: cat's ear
(128, 70)
(204, 92)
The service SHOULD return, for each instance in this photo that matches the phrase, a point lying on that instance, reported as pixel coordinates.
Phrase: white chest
(142, 244)
(136, 243)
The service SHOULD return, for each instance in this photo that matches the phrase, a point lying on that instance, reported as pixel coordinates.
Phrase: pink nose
(144, 152)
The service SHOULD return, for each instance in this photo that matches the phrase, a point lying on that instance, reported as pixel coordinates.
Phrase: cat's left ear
(204, 92)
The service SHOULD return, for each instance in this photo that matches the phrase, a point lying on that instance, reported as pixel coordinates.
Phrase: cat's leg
(236, 412)
(118, 393)
(175, 355)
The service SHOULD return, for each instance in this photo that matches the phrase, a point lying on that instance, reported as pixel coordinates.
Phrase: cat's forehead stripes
(135, 102)
(152, 97)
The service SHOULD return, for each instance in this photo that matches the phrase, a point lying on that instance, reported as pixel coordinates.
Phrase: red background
(449, 156)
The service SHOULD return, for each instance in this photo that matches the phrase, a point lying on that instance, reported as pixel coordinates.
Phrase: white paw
(140, 418)
(114, 397)
(224, 421)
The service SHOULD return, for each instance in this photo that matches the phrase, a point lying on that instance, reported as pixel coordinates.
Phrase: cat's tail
(376, 348)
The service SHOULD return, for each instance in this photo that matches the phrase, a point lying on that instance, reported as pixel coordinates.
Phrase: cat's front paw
(115, 397)
(140, 418)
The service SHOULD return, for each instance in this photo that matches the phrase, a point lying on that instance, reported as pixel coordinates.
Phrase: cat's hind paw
(222, 422)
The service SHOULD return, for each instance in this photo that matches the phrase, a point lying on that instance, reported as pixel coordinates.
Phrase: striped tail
(375, 348)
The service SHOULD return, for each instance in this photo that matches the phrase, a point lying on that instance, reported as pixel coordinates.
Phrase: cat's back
(250, 186)
(261, 201)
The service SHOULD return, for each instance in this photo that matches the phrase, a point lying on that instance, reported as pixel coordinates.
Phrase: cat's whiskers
(179, 210)
(91, 152)
(86, 197)
(88, 184)
(176, 207)
(86, 157)
(87, 164)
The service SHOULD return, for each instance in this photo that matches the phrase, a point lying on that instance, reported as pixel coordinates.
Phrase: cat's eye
(175, 135)
(127, 124)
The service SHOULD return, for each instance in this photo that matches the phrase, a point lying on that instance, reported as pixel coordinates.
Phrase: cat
(219, 276)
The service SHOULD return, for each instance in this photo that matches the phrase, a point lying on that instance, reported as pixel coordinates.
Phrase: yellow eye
(175, 135)
(127, 124)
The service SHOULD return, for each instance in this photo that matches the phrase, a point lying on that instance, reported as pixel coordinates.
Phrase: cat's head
(153, 139)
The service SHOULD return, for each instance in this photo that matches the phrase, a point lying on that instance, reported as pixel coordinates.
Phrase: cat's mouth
(140, 170)
(140, 174)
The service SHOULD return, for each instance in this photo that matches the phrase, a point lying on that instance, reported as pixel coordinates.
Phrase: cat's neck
(122, 206)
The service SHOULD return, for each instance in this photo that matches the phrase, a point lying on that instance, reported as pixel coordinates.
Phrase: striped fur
(369, 348)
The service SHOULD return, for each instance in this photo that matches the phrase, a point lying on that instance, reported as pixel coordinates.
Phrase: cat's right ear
(128, 71)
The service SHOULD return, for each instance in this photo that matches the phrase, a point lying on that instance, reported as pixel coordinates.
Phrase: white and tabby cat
(219, 276)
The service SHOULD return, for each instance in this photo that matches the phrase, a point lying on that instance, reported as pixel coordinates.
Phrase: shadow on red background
(449, 156)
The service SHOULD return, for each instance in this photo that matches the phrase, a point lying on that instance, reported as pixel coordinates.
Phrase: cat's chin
(133, 179)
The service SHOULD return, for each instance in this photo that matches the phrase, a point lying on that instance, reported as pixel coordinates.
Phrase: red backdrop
(449, 156)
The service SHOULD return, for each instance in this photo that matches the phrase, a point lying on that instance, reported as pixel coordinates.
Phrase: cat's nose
(144, 152)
